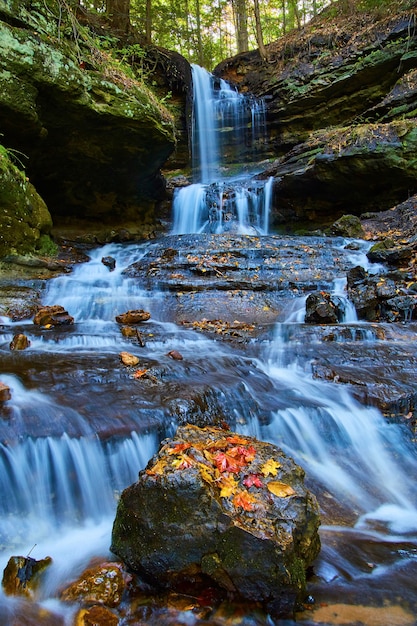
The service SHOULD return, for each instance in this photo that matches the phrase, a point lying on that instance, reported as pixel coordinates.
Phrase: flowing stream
(78, 428)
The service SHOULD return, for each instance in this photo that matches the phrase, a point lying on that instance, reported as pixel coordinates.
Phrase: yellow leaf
(182, 462)
(227, 485)
(158, 468)
(281, 490)
(271, 467)
(206, 473)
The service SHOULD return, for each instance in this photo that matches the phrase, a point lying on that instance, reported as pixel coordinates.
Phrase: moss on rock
(25, 221)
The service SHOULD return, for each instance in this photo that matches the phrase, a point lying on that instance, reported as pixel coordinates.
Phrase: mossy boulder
(24, 217)
(229, 509)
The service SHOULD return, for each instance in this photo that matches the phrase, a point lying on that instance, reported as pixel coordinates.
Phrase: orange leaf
(244, 500)
(237, 440)
(281, 490)
(226, 463)
(271, 467)
(179, 447)
(139, 373)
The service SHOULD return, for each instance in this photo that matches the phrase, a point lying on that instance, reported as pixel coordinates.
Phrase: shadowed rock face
(230, 508)
(94, 139)
(341, 95)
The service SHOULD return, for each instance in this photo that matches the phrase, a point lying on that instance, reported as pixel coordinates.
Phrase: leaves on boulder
(229, 464)
(281, 490)
(271, 467)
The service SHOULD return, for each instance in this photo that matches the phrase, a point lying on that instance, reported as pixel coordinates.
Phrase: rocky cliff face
(92, 138)
(342, 106)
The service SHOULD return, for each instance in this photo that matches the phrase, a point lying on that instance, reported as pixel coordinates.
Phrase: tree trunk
(199, 40)
(259, 34)
(148, 22)
(241, 22)
(118, 12)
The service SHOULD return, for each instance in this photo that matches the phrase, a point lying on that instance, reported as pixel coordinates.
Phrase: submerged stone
(103, 584)
(229, 509)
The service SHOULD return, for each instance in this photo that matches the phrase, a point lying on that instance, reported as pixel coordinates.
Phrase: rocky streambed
(224, 343)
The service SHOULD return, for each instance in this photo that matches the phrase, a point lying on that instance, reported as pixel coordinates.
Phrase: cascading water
(227, 129)
(78, 428)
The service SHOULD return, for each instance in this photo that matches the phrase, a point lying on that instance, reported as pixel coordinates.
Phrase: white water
(224, 123)
(55, 491)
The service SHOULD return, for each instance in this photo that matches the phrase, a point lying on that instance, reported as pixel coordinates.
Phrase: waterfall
(227, 128)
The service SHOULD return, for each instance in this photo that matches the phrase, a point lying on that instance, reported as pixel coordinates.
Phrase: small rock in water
(54, 315)
(96, 616)
(103, 584)
(133, 317)
(19, 342)
(128, 359)
(174, 354)
(22, 575)
(109, 262)
(4, 392)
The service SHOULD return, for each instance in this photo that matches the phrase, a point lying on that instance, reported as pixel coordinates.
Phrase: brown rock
(96, 616)
(4, 392)
(174, 354)
(103, 584)
(22, 575)
(54, 315)
(133, 317)
(19, 342)
(128, 359)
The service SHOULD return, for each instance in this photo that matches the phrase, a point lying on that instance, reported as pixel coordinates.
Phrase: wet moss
(24, 216)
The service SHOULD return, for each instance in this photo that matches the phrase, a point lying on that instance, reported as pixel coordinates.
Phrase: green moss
(24, 216)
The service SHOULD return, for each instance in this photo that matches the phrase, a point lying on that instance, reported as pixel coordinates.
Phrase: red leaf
(252, 480)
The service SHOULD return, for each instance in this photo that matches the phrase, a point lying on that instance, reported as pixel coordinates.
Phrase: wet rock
(347, 226)
(22, 575)
(96, 616)
(322, 308)
(19, 342)
(109, 262)
(388, 252)
(103, 584)
(4, 392)
(54, 315)
(128, 359)
(175, 355)
(133, 317)
(229, 509)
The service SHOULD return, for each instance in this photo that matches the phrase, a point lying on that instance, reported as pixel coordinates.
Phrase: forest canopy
(208, 32)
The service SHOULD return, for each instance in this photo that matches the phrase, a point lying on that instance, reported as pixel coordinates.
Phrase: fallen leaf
(228, 485)
(183, 461)
(139, 373)
(281, 490)
(226, 463)
(270, 467)
(179, 447)
(252, 480)
(158, 468)
(244, 500)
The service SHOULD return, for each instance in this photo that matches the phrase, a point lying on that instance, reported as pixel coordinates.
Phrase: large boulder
(94, 137)
(231, 509)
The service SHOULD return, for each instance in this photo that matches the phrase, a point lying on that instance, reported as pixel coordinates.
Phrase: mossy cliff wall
(92, 137)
